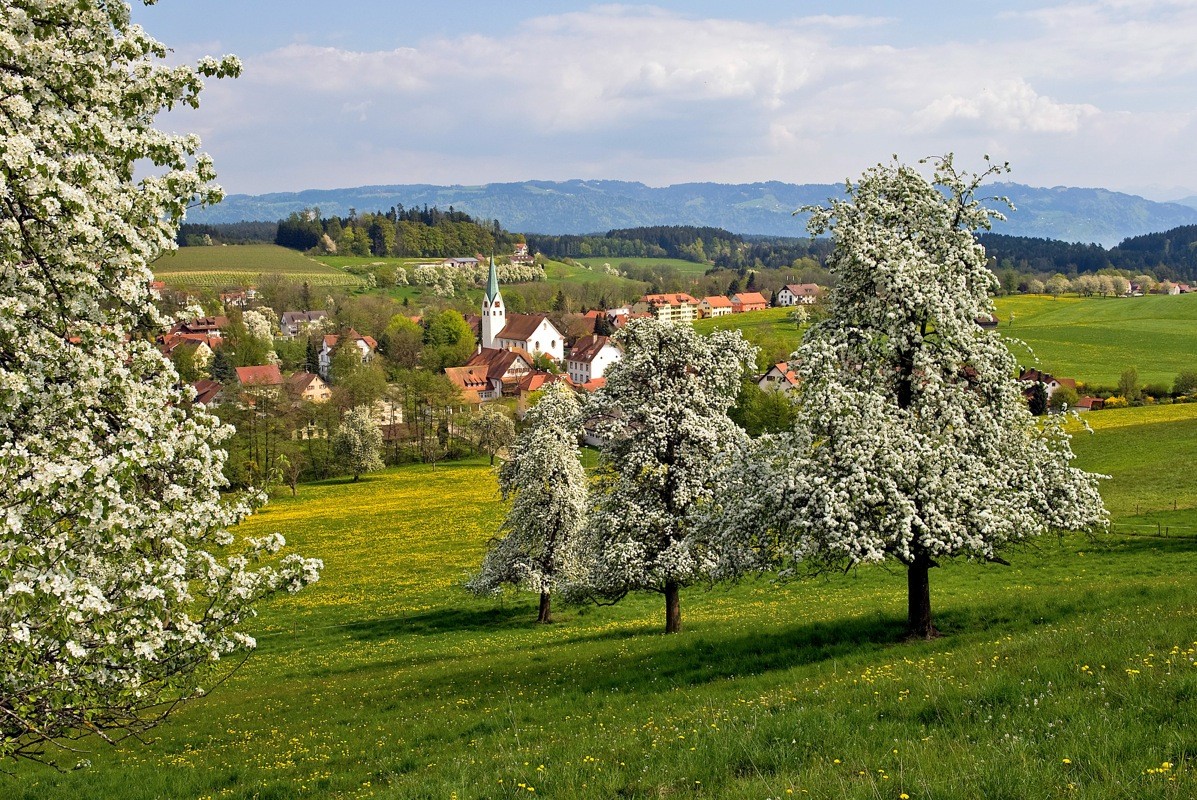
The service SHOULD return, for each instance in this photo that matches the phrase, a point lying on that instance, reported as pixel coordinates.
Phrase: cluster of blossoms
(448, 281)
(118, 579)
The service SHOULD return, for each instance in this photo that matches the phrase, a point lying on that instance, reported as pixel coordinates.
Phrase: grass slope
(770, 330)
(240, 265)
(1095, 339)
(1070, 674)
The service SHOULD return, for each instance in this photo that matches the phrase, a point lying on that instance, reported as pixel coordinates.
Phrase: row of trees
(911, 438)
(403, 233)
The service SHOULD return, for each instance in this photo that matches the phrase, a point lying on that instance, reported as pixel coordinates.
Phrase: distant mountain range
(1064, 213)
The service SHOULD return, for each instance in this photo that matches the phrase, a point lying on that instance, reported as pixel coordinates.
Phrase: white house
(714, 306)
(794, 294)
(779, 378)
(365, 345)
(590, 358)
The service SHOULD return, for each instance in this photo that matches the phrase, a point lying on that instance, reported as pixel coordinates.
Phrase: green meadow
(242, 265)
(1070, 674)
(1093, 339)
(770, 330)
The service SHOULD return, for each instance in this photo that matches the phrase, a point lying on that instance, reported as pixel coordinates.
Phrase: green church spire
(492, 282)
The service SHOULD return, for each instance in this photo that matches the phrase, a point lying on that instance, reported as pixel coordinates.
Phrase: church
(532, 333)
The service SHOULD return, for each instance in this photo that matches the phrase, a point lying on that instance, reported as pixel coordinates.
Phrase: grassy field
(1068, 675)
(240, 265)
(689, 269)
(770, 330)
(1095, 339)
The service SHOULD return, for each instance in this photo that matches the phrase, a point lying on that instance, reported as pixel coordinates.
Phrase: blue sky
(332, 95)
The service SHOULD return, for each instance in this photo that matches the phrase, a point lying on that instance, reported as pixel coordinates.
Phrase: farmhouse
(779, 378)
(795, 294)
(1050, 382)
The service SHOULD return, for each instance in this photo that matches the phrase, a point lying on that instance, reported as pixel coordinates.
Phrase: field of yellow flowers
(1070, 674)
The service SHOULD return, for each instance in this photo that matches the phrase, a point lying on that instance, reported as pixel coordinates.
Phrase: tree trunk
(918, 599)
(673, 608)
(546, 615)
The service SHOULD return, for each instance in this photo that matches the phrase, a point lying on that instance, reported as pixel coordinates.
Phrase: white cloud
(1009, 105)
(642, 93)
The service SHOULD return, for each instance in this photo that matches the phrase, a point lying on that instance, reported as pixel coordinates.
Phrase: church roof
(492, 282)
(520, 327)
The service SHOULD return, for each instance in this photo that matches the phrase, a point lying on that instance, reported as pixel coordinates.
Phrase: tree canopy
(912, 440)
(121, 584)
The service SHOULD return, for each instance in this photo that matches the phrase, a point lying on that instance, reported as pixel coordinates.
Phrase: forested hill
(1171, 254)
(580, 207)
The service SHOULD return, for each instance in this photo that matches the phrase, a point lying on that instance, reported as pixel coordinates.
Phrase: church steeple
(494, 316)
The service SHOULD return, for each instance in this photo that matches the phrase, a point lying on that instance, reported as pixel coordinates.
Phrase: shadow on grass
(445, 620)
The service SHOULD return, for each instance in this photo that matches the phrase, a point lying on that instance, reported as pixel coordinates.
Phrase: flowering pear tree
(119, 583)
(913, 440)
(667, 430)
(357, 443)
(545, 480)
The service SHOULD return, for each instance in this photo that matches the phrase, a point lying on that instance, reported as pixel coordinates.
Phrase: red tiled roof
(520, 327)
(717, 301)
(804, 289)
(497, 362)
(264, 375)
(587, 348)
(300, 381)
(593, 385)
(670, 299)
(206, 390)
(749, 299)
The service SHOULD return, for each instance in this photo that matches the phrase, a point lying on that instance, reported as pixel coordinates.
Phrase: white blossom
(665, 408)
(113, 542)
(541, 550)
(912, 440)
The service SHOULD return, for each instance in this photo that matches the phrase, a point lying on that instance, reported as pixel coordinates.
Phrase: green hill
(1095, 339)
(1069, 674)
(241, 265)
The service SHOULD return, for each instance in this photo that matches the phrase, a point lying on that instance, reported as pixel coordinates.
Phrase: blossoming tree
(547, 484)
(357, 443)
(119, 582)
(913, 440)
(665, 404)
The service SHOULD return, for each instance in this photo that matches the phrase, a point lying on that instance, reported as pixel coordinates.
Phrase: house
(798, 294)
(209, 326)
(779, 378)
(239, 299)
(714, 306)
(207, 392)
(1050, 382)
(535, 381)
(365, 345)
(748, 301)
(295, 322)
(266, 376)
(1088, 403)
(460, 262)
(670, 307)
(521, 254)
(308, 386)
(503, 368)
(201, 345)
(590, 358)
(156, 289)
(474, 384)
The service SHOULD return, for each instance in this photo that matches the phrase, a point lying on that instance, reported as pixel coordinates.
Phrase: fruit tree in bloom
(665, 408)
(913, 440)
(119, 583)
(544, 479)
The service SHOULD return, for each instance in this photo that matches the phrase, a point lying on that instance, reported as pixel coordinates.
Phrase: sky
(333, 95)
